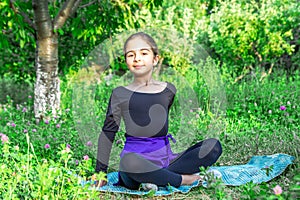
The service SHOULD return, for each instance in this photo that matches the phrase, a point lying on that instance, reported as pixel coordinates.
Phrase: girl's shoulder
(167, 85)
(171, 87)
(118, 90)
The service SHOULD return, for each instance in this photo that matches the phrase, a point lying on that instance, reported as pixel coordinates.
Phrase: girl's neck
(142, 81)
(146, 85)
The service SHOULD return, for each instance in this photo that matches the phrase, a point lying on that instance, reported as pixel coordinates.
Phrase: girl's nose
(137, 57)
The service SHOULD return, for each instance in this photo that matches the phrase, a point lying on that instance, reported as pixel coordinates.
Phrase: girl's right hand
(99, 183)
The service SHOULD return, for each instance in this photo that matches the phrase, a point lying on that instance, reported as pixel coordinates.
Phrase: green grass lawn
(261, 118)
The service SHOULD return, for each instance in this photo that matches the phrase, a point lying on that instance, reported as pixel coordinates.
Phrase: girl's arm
(109, 130)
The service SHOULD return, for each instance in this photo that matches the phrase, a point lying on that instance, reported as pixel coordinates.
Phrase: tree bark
(47, 86)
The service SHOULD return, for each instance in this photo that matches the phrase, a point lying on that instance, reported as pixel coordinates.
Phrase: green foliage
(256, 33)
(240, 34)
(26, 176)
(90, 25)
(17, 46)
(250, 34)
(250, 130)
(258, 105)
(11, 89)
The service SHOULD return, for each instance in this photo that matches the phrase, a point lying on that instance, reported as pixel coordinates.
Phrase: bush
(247, 35)
(18, 92)
(26, 176)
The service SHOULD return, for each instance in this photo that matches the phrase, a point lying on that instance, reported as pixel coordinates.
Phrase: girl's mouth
(138, 66)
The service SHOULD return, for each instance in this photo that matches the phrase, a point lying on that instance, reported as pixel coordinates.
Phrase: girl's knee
(217, 143)
(217, 146)
(211, 147)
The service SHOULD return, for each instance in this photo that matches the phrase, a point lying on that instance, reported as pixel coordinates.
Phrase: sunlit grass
(261, 118)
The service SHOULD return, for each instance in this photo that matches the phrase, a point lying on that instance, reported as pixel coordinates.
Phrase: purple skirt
(154, 149)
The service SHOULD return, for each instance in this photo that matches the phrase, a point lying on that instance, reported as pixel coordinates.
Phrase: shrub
(25, 176)
(18, 92)
(247, 35)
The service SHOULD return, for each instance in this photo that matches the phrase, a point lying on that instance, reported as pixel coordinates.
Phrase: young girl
(144, 106)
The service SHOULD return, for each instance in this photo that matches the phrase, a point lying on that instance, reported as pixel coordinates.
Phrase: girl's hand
(99, 183)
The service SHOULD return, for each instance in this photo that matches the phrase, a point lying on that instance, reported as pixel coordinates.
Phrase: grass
(256, 123)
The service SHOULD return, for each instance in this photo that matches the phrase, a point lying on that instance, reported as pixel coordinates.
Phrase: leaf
(22, 33)
(60, 31)
(9, 23)
(297, 177)
(22, 43)
(295, 188)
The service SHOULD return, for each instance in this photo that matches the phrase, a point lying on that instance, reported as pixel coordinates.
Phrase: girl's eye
(129, 55)
(145, 53)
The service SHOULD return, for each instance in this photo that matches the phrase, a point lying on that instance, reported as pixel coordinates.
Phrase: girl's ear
(155, 60)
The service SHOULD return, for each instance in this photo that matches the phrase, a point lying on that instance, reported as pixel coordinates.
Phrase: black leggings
(204, 153)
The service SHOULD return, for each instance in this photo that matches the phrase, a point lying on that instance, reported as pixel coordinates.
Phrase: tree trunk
(47, 87)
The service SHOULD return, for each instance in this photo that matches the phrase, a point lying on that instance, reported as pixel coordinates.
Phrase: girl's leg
(161, 177)
(127, 181)
(134, 170)
(204, 153)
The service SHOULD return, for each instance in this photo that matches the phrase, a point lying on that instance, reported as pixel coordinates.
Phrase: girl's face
(139, 57)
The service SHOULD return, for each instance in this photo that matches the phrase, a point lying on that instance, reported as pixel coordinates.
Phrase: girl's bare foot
(189, 179)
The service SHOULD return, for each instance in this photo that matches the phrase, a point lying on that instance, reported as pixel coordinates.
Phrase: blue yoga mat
(234, 175)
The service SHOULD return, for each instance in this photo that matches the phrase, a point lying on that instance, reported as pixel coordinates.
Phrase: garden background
(253, 46)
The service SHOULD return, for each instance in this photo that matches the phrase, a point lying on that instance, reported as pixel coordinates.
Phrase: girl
(144, 106)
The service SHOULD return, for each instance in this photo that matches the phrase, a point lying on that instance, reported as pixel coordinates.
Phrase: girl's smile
(138, 66)
(140, 58)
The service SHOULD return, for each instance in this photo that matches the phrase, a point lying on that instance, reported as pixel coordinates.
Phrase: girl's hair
(147, 38)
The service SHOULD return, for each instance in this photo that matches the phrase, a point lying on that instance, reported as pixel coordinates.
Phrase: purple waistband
(155, 149)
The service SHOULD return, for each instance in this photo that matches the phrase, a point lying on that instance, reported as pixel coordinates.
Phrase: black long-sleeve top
(144, 115)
